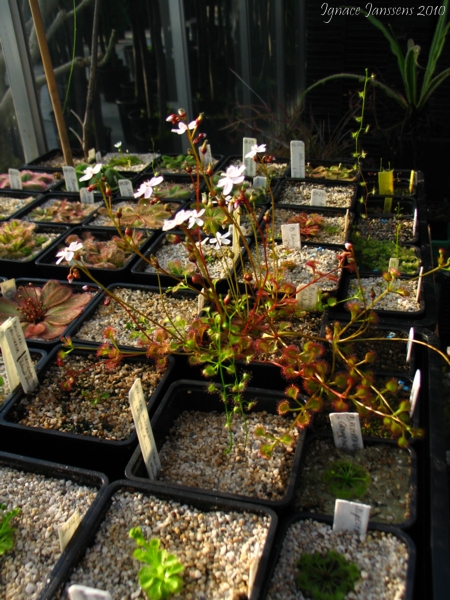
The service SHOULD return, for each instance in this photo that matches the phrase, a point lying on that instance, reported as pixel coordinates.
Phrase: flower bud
(119, 213)
(182, 113)
(199, 119)
(209, 170)
(108, 192)
(188, 169)
(204, 147)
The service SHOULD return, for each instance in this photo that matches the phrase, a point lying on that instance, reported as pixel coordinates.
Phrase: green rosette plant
(20, 240)
(6, 531)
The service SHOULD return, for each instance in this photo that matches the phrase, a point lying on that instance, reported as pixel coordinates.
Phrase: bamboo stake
(51, 82)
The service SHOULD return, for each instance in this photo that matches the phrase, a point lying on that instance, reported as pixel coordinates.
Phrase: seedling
(327, 576)
(347, 480)
(6, 531)
(160, 578)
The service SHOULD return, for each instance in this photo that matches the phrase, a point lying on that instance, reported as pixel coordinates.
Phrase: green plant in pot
(20, 240)
(61, 211)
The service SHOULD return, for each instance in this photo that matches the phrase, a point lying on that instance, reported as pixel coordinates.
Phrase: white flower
(146, 188)
(255, 149)
(179, 218)
(90, 172)
(118, 145)
(220, 240)
(182, 127)
(195, 219)
(68, 252)
(232, 176)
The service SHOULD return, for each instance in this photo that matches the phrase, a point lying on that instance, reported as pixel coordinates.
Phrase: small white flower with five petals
(255, 149)
(146, 188)
(195, 219)
(90, 172)
(182, 127)
(232, 176)
(180, 218)
(220, 240)
(68, 252)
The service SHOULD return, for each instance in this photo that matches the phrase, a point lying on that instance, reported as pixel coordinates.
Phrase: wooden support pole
(51, 82)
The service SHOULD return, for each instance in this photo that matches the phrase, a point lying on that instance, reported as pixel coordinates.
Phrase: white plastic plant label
(409, 344)
(351, 516)
(126, 188)
(415, 389)
(71, 179)
(346, 431)
(82, 592)
(250, 165)
(235, 242)
(15, 181)
(307, 296)
(92, 155)
(144, 429)
(98, 157)
(86, 197)
(200, 301)
(8, 288)
(260, 182)
(318, 198)
(67, 529)
(419, 284)
(297, 149)
(207, 158)
(393, 263)
(290, 235)
(16, 356)
(253, 570)
(415, 223)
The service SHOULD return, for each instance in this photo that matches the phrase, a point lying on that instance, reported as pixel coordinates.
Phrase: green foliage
(160, 578)
(175, 192)
(327, 576)
(176, 164)
(110, 174)
(125, 160)
(44, 312)
(374, 255)
(347, 480)
(6, 531)
(333, 172)
(20, 240)
(61, 211)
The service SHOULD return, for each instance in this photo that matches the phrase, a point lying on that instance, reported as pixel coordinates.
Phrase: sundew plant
(246, 316)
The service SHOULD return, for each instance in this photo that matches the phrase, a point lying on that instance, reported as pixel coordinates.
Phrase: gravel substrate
(83, 409)
(382, 560)
(333, 230)
(386, 229)
(391, 301)
(219, 265)
(112, 314)
(45, 504)
(299, 193)
(388, 492)
(194, 455)
(217, 548)
(294, 259)
(8, 206)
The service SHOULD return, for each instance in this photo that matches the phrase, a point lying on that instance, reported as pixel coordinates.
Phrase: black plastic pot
(193, 396)
(376, 205)
(84, 451)
(38, 357)
(190, 499)
(409, 520)
(77, 288)
(27, 268)
(48, 267)
(22, 204)
(59, 196)
(328, 185)
(82, 477)
(407, 593)
(38, 164)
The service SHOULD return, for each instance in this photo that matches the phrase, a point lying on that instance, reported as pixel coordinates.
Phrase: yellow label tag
(386, 182)
(412, 181)
(387, 208)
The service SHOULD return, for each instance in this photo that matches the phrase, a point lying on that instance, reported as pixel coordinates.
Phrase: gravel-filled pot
(381, 475)
(14, 203)
(61, 208)
(224, 545)
(198, 453)
(385, 558)
(47, 495)
(88, 425)
(298, 193)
